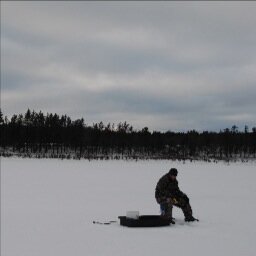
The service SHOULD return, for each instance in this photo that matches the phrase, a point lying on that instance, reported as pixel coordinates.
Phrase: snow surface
(48, 206)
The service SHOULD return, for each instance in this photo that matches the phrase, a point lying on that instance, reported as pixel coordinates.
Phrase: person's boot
(169, 218)
(172, 221)
(187, 210)
(190, 219)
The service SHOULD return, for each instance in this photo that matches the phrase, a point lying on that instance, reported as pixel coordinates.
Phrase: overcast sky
(165, 65)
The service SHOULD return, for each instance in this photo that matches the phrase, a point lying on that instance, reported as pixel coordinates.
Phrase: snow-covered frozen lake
(48, 206)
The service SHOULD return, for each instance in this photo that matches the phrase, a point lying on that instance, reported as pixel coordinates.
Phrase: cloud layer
(167, 65)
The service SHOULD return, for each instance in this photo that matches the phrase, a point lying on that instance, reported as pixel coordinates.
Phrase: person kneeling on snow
(168, 194)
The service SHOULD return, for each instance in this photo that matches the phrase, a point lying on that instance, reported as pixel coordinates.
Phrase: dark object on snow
(144, 221)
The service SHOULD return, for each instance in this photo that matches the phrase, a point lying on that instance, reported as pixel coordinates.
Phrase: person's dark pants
(181, 200)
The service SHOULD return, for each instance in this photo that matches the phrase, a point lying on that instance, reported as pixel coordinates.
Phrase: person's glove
(175, 201)
(172, 200)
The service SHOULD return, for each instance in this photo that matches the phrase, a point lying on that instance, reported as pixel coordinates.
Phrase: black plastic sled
(144, 221)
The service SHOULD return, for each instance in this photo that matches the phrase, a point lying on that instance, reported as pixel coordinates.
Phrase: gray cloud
(167, 65)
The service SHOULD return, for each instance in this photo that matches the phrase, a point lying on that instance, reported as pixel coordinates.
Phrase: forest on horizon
(35, 134)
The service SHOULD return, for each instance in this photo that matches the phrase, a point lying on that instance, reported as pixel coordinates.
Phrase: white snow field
(48, 206)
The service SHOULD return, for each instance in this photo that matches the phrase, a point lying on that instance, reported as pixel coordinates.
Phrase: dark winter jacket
(166, 188)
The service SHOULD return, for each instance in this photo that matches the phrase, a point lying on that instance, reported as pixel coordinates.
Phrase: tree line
(35, 134)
